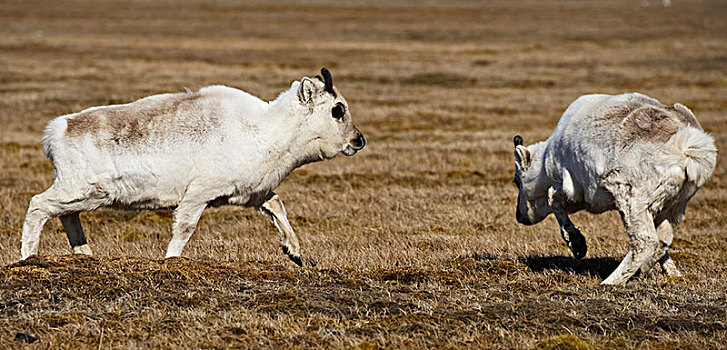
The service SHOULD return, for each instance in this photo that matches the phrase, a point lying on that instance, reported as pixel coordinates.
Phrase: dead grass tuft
(684, 257)
(563, 342)
(366, 346)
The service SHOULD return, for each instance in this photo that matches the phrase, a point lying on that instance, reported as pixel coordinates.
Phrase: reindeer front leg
(288, 240)
(570, 233)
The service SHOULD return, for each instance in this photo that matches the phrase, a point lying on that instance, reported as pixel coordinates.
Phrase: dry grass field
(415, 237)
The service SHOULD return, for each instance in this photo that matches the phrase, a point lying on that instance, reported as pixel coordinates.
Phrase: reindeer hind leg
(74, 231)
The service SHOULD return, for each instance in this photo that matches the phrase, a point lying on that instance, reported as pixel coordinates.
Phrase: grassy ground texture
(415, 237)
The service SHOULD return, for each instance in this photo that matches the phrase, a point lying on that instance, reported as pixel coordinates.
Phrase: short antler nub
(517, 140)
(327, 79)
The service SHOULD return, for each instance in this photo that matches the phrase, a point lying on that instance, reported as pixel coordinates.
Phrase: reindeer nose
(359, 142)
(522, 219)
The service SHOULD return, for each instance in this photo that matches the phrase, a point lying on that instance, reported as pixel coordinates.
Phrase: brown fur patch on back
(85, 123)
(650, 124)
(617, 113)
(173, 117)
(127, 126)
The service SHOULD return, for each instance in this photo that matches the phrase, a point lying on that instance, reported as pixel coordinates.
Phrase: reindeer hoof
(296, 259)
(83, 249)
(578, 246)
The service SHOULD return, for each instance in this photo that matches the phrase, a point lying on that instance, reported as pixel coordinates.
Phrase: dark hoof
(578, 246)
(296, 260)
(312, 263)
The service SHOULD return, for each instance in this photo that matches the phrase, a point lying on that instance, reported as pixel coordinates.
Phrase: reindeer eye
(338, 111)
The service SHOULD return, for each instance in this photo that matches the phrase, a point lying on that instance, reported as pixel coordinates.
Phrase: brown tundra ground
(415, 237)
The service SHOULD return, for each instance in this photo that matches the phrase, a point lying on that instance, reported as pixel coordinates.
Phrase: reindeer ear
(306, 92)
(517, 140)
(327, 80)
(522, 157)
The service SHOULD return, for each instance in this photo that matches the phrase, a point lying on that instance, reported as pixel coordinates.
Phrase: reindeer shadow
(596, 267)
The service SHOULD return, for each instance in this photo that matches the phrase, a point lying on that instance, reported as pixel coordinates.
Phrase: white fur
(694, 151)
(606, 154)
(186, 151)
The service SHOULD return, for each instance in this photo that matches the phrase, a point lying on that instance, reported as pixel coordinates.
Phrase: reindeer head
(329, 117)
(532, 200)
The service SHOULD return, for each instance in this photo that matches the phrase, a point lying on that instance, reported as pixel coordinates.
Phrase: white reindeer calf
(626, 152)
(188, 151)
